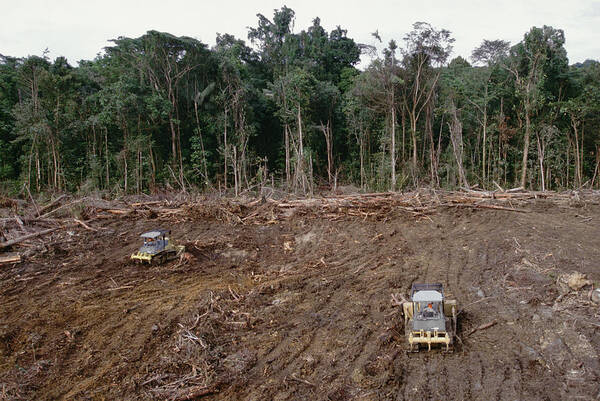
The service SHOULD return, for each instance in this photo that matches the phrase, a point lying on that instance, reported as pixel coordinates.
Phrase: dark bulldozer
(429, 318)
(157, 248)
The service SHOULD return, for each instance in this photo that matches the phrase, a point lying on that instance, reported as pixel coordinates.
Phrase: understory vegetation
(291, 109)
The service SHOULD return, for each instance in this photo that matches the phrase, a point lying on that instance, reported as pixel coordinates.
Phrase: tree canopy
(290, 108)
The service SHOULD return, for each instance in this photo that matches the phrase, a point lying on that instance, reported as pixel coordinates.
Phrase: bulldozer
(157, 248)
(429, 318)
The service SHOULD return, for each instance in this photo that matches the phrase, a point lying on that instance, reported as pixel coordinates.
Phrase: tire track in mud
(459, 262)
(490, 377)
(280, 359)
(345, 273)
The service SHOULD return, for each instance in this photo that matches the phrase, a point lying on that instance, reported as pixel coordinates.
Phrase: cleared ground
(299, 307)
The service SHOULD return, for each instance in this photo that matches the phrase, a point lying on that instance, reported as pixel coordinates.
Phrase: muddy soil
(301, 308)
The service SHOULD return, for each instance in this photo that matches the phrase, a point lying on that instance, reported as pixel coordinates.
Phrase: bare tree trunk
(106, 156)
(29, 162)
(96, 156)
(55, 183)
(300, 136)
(581, 152)
(301, 173)
(225, 151)
(413, 133)
(125, 160)
(181, 176)
(287, 156)
(568, 158)
(597, 166)
(173, 140)
(393, 147)
(137, 172)
(125, 149)
(153, 166)
(541, 160)
(432, 151)
(457, 144)
(235, 171)
(55, 155)
(484, 136)
(179, 154)
(403, 135)
(206, 181)
(526, 140)
(578, 177)
(362, 161)
(326, 129)
(38, 168)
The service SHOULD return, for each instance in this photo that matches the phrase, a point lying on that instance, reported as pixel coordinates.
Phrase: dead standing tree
(455, 126)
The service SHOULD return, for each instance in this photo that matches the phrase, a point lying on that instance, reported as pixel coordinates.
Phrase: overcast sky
(79, 29)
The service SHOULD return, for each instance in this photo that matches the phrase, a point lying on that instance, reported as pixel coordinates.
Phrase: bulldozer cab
(428, 307)
(155, 241)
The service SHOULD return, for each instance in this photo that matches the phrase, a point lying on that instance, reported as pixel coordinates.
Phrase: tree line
(291, 109)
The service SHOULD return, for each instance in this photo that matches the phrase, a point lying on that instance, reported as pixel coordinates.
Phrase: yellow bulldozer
(157, 248)
(429, 318)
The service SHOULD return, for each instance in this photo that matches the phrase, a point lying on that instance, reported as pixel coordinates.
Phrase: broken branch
(26, 237)
(50, 205)
(194, 392)
(10, 258)
(482, 327)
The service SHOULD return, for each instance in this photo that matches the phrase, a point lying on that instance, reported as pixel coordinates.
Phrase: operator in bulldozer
(428, 312)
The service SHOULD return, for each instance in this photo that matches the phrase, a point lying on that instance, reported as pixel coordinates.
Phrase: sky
(80, 29)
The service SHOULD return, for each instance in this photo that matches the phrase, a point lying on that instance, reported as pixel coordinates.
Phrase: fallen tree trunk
(51, 204)
(10, 258)
(476, 206)
(194, 392)
(63, 206)
(26, 237)
(482, 327)
(82, 224)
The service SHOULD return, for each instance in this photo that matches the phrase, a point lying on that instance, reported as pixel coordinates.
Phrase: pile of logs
(31, 222)
(19, 227)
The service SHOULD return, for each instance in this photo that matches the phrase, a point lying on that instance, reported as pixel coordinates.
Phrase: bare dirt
(300, 308)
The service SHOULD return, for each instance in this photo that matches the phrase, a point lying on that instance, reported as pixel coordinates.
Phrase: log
(124, 287)
(60, 207)
(498, 186)
(119, 211)
(293, 377)
(482, 327)
(191, 393)
(26, 237)
(51, 204)
(19, 221)
(140, 204)
(510, 209)
(82, 224)
(10, 258)
(37, 210)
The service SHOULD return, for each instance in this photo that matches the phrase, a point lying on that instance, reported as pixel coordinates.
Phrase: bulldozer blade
(450, 350)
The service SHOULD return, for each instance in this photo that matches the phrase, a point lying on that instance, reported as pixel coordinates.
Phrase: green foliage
(167, 111)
